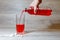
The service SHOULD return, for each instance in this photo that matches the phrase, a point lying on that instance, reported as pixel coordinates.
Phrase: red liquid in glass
(20, 28)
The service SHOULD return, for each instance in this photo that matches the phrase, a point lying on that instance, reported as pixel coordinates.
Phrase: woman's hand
(35, 4)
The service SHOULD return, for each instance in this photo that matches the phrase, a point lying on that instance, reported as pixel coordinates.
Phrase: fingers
(35, 9)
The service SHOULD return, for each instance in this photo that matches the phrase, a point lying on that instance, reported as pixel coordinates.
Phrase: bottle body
(43, 12)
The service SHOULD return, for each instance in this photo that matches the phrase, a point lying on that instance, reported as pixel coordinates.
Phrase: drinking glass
(20, 23)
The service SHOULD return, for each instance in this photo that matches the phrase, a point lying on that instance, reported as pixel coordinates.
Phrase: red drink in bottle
(43, 12)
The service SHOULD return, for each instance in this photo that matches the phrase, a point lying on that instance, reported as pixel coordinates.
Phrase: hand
(35, 4)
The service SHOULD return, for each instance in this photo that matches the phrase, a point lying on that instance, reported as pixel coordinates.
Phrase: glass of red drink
(20, 23)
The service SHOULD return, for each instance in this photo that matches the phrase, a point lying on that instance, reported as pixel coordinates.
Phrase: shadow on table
(54, 27)
(51, 28)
